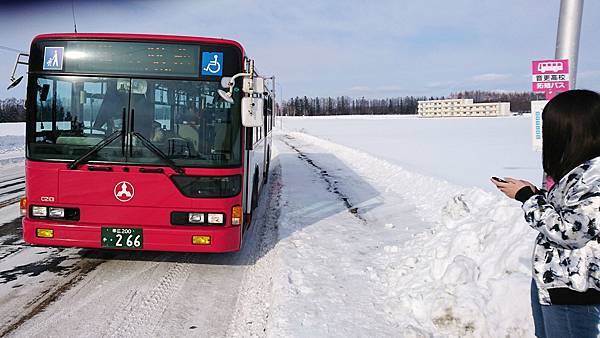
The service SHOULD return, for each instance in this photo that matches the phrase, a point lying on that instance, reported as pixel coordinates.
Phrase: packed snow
(369, 248)
(369, 226)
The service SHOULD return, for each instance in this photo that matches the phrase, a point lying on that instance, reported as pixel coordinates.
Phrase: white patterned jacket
(567, 250)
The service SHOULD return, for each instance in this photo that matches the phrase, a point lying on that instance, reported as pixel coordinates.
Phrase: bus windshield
(185, 120)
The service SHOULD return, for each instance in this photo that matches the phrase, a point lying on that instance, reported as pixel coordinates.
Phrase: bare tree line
(344, 105)
(12, 110)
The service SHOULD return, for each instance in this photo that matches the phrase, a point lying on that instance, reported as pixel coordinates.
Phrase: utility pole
(281, 106)
(567, 43)
(567, 37)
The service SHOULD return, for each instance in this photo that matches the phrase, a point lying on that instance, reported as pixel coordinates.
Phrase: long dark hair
(571, 127)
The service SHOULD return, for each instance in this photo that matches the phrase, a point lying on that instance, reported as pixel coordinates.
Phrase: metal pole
(567, 42)
(567, 37)
(281, 106)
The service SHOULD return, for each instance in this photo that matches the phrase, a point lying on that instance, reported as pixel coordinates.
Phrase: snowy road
(12, 185)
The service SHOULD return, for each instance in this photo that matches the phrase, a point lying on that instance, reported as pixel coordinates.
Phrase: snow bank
(469, 273)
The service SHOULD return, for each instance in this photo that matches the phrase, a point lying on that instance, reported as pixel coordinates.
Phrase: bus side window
(44, 106)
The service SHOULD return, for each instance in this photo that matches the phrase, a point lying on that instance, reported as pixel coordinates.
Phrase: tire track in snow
(11, 190)
(332, 184)
(139, 314)
(40, 303)
(253, 306)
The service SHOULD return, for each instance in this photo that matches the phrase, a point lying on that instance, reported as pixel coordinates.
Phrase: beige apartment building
(461, 108)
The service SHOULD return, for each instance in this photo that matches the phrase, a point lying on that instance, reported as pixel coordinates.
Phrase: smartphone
(498, 179)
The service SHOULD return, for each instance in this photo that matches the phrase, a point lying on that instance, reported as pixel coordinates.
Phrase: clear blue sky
(351, 47)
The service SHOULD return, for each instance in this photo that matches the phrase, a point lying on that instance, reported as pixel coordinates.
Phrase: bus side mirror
(14, 83)
(44, 92)
(252, 111)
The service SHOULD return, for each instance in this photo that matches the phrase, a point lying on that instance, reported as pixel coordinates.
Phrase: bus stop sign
(550, 77)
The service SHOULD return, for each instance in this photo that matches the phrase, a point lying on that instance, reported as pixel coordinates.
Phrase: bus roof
(139, 37)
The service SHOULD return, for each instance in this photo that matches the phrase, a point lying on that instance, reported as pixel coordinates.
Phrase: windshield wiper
(158, 153)
(83, 158)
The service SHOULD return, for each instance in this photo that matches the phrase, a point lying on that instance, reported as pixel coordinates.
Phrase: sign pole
(567, 45)
(567, 37)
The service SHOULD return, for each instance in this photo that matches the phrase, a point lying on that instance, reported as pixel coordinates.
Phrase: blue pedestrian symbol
(212, 63)
(53, 58)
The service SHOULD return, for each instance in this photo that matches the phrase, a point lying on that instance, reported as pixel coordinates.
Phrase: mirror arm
(14, 82)
(18, 62)
(233, 78)
(228, 95)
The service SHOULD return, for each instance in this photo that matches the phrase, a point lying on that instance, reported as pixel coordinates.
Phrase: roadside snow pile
(467, 274)
(470, 273)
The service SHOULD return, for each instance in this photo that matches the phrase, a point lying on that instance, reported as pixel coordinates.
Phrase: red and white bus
(144, 142)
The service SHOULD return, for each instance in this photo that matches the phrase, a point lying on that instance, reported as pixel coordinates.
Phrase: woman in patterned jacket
(565, 292)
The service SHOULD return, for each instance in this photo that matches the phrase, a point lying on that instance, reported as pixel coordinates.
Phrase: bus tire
(253, 203)
(267, 167)
(254, 193)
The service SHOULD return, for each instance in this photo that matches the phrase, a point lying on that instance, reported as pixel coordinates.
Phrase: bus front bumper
(81, 235)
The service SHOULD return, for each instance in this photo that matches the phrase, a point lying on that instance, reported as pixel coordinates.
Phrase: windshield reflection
(186, 120)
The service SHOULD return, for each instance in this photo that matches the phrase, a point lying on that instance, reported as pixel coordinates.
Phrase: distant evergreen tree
(343, 105)
(12, 110)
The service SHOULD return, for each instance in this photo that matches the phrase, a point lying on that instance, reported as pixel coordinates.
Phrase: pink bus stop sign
(550, 77)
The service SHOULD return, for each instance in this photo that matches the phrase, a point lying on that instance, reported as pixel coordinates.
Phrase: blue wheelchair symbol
(212, 63)
(53, 58)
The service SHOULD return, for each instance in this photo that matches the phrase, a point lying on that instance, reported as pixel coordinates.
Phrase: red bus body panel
(155, 197)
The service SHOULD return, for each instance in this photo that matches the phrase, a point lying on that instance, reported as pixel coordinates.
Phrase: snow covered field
(369, 227)
(12, 142)
(464, 151)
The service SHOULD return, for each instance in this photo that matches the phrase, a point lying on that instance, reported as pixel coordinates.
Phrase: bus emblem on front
(124, 191)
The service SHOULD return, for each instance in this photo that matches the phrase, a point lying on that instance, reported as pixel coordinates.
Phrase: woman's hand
(512, 185)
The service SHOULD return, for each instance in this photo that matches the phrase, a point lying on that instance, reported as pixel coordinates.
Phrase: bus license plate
(122, 238)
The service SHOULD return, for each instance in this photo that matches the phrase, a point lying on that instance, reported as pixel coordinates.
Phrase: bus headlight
(195, 217)
(56, 212)
(215, 218)
(67, 214)
(39, 211)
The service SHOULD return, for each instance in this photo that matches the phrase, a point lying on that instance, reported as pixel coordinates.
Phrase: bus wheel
(247, 221)
(254, 202)
(268, 165)
(254, 193)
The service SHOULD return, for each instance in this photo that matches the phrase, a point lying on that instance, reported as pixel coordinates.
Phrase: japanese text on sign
(550, 77)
